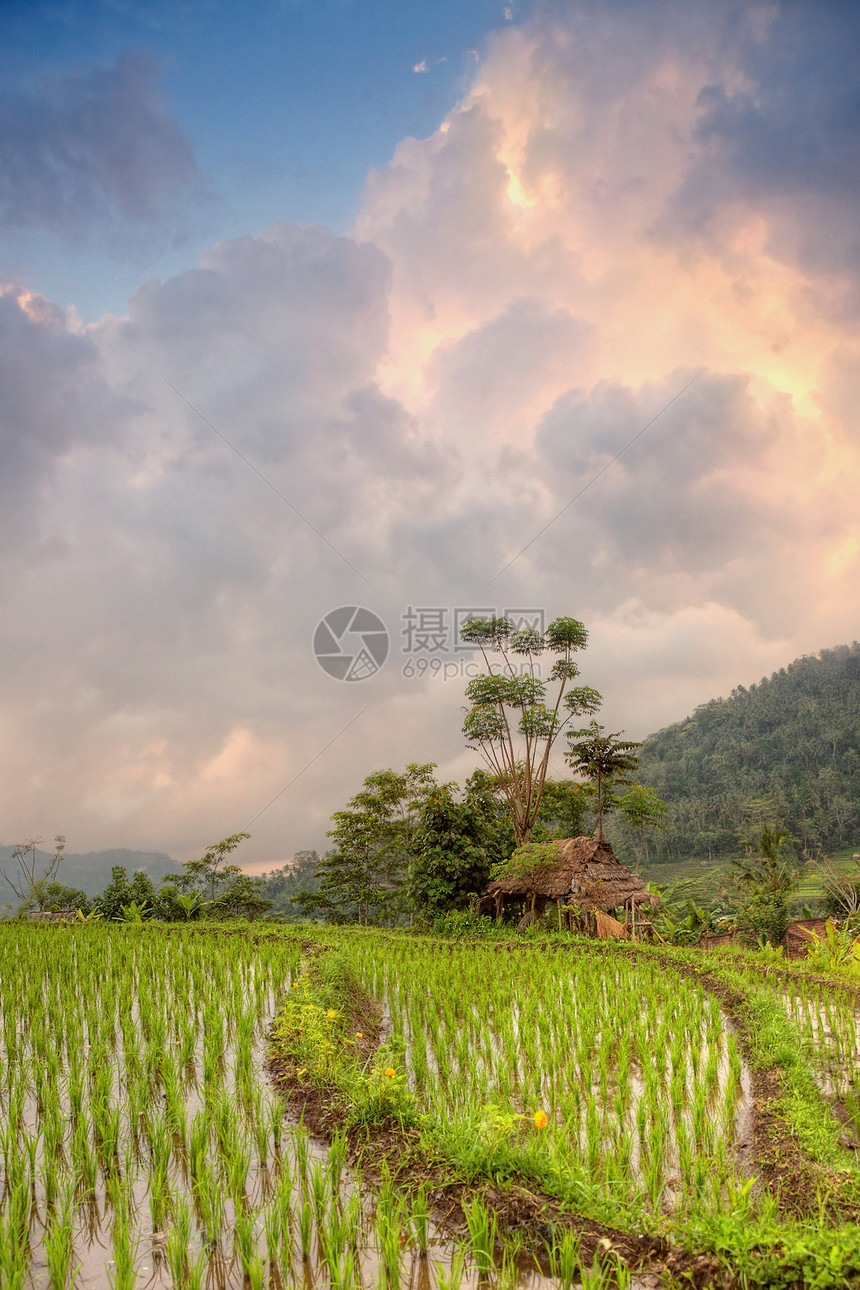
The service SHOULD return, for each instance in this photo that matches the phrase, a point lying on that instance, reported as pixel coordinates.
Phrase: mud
(536, 1217)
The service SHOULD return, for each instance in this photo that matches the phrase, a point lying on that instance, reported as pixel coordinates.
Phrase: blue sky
(284, 103)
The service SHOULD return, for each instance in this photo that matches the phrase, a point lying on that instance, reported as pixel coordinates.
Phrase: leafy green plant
(604, 759)
(526, 858)
(837, 948)
(513, 720)
(765, 881)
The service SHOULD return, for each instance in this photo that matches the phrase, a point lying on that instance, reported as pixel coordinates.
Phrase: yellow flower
(541, 1119)
(359, 1035)
(331, 1014)
(389, 1071)
(295, 985)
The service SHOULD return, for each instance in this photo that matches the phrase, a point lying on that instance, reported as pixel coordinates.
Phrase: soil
(517, 1207)
(776, 1156)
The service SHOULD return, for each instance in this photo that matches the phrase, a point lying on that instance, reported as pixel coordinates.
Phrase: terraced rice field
(638, 1074)
(143, 1142)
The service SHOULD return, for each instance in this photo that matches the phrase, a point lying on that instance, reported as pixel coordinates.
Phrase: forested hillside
(786, 750)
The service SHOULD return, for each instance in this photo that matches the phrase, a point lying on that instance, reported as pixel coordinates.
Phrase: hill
(90, 871)
(281, 886)
(786, 750)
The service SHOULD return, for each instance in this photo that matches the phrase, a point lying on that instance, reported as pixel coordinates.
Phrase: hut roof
(584, 869)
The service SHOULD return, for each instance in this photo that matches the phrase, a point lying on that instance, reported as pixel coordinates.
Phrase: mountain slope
(786, 750)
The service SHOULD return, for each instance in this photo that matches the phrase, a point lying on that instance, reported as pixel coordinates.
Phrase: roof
(50, 915)
(807, 929)
(586, 871)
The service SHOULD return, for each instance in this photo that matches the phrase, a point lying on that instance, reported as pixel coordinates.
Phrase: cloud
(89, 145)
(524, 291)
(421, 67)
(54, 403)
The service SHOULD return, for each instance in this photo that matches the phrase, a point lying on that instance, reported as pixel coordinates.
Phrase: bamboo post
(558, 904)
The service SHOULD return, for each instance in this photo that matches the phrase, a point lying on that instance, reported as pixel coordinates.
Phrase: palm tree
(767, 878)
(604, 759)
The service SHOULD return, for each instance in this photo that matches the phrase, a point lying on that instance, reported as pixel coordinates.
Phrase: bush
(841, 899)
(766, 915)
(465, 922)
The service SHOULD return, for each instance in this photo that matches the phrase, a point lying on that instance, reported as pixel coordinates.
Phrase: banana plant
(134, 912)
(836, 948)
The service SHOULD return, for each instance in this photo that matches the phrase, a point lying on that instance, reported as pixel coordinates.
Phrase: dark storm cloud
(795, 124)
(679, 499)
(89, 144)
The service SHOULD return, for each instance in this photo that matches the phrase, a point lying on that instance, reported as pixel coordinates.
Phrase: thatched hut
(581, 876)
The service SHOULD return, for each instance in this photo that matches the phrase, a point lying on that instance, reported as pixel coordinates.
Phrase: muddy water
(280, 1217)
(830, 1023)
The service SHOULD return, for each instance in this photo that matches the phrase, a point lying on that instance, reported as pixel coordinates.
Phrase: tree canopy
(515, 716)
(787, 748)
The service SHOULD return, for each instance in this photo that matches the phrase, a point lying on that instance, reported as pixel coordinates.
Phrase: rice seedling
(482, 1236)
(563, 1256)
(137, 1093)
(419, 1214)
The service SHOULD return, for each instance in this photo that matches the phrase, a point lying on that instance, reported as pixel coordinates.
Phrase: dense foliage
(406, 847)
(281, 886)
(787, 750)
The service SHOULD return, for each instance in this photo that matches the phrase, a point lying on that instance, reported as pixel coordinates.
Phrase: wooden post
(558, 903)
(499, 902)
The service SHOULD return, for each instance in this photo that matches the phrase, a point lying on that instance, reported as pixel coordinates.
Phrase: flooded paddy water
(828, 1019)
(613, 1075)
(141, 1144)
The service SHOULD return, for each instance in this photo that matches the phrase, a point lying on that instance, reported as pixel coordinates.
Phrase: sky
(409, 312)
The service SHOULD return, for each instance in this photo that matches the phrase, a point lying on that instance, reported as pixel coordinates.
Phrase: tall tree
(564, 808)
(457, 841)
(642, 809)
(210, 874)
(362, 876)
(604, 759)
(514, 720)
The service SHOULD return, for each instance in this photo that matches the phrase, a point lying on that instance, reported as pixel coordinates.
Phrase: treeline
(787, 749)
(206, 888)
(407, 847)
(281, 886)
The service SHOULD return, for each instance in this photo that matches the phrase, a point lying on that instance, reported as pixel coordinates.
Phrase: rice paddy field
(316, 1107)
